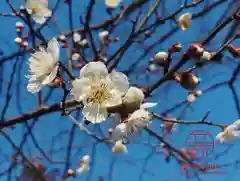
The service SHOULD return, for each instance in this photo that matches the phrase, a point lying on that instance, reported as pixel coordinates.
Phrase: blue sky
(127, 167)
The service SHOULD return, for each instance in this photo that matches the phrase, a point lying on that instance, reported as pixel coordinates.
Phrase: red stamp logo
(202, 143)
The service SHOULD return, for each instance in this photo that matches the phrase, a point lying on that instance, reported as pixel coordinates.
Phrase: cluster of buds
(105, 39)
(20, 41)
(202, 56)
(193, 95)
(79, 40)
(187, 80)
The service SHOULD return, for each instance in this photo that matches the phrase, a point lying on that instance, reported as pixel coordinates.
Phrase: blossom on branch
(185, 21)
(39, 10)
(43, 66)
(230, 133)
(119, 147)
(112, 3)
(134, 124)
(98, 90)
(84, 164)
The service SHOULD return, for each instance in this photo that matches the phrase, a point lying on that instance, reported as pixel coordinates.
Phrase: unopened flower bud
(206, 56)
(119, 147)
(110, 131)
(62, 38)
(19, 24)
(70, 172)
(84, 43)
(198, 93)
(76, 37)
(25, 44)
(176, 47)
(104, 37)
(152, 68)
(112, 3)
(185, 21)
(75, 56)
(195, 50)
(189, 81)
(133, 99)
(163, 145)
(18, 40)
(191, 98)
(161, 58)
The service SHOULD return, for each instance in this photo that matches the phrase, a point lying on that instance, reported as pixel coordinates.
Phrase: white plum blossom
(136, 121)
(39, 10)
(112, 3)
(84, 164)
(119, 147)
(185, 21)
(230, 133)
(98, 90)
(43, 66)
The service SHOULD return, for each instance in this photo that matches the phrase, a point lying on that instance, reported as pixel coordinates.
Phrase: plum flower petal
(94, 113)
(43, 67)
(80, 88)
(120, 82)
(94, 69)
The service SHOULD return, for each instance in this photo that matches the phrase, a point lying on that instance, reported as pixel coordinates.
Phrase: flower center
(98, 94)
